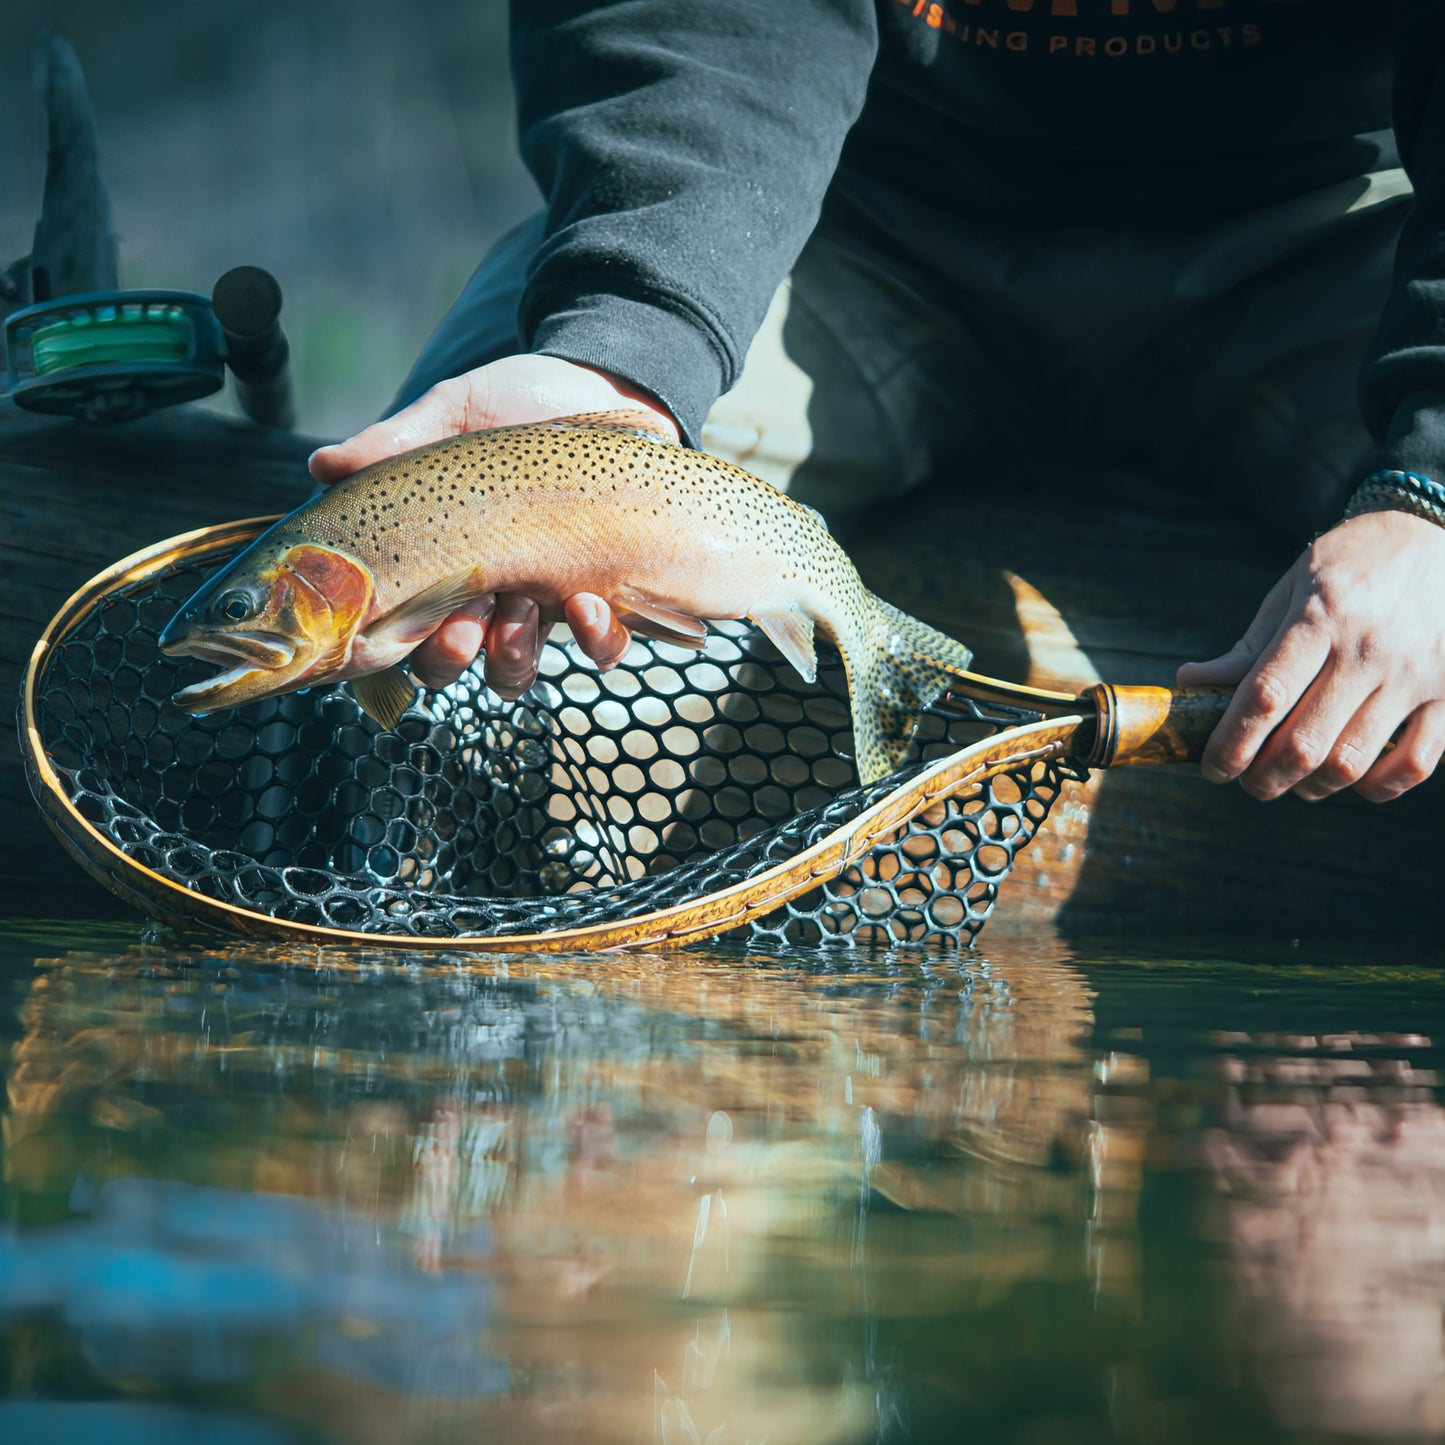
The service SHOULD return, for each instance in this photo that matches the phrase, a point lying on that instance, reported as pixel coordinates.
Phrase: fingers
(1261, 703)
(1345, 647)
(1233, 665)
(1415, 756)
(598, 632)
(453, 647)
(514, 643)
(442, 412)
(509, 627)
(1221, 671)
(1329, 746)
(506, 392)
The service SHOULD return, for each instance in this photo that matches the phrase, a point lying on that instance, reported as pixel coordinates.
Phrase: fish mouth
(246, 659)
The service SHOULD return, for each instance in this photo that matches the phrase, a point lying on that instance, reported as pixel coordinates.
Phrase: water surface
(1033, 1194)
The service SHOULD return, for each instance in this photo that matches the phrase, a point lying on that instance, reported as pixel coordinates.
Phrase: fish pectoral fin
(791, 632)
(629, 423)
(648, 617)
(418, 617)
(384, 695)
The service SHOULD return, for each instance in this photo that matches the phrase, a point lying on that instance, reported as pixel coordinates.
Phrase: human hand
(509, 392)
(1346, 651)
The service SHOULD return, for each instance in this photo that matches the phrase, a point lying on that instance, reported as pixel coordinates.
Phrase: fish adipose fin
(629, 423)
(418, 617)
(908, 668)
(648, 617)
(384, 695)
(792, 634)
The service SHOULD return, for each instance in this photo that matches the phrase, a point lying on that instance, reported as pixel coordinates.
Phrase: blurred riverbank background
(363, 151)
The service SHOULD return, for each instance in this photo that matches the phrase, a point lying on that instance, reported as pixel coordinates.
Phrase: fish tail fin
(906, 668)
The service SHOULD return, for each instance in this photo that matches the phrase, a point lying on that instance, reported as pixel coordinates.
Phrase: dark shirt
(686, 149)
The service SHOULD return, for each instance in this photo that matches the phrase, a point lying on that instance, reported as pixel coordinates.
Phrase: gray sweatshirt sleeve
(683, 151)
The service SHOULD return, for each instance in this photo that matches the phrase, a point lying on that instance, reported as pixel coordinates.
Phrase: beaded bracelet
(1394, 491)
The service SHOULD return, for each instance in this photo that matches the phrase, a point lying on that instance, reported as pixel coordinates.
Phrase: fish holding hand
(349, 584)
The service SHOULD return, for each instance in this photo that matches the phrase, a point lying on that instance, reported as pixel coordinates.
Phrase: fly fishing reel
(116, 355)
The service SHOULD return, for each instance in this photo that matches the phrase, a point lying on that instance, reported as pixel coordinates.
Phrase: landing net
(598, 798)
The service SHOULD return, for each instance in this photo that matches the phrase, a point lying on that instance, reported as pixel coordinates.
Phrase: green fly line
(112, 337)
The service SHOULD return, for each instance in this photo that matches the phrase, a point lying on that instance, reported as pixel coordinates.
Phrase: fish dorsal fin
(791, 632)
(814, 513)
(629, 423)
(649, 617)
(419, 616)
(384, 695)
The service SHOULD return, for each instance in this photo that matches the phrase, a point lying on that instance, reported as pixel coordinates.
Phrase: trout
(344, 587)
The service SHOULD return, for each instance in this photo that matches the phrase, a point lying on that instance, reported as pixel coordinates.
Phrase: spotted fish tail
(908, 668)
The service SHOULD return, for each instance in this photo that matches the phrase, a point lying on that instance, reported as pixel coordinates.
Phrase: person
(854, 244)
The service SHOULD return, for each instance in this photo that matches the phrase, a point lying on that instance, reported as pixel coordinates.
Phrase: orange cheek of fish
(331, 581)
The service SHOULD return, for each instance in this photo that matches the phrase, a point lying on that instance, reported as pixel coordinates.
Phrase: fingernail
(589, 611)
(464, 639)
(1214, 773)
(512, 607)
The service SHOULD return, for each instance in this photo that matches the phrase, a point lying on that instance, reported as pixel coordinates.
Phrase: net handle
(1146, 726)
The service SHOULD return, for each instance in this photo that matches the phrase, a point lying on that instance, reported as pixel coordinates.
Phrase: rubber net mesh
(597, 798)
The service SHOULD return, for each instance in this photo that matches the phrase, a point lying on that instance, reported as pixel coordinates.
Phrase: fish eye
(236, 606)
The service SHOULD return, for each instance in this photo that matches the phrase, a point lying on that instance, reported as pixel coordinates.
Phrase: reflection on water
(1019, 1195)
